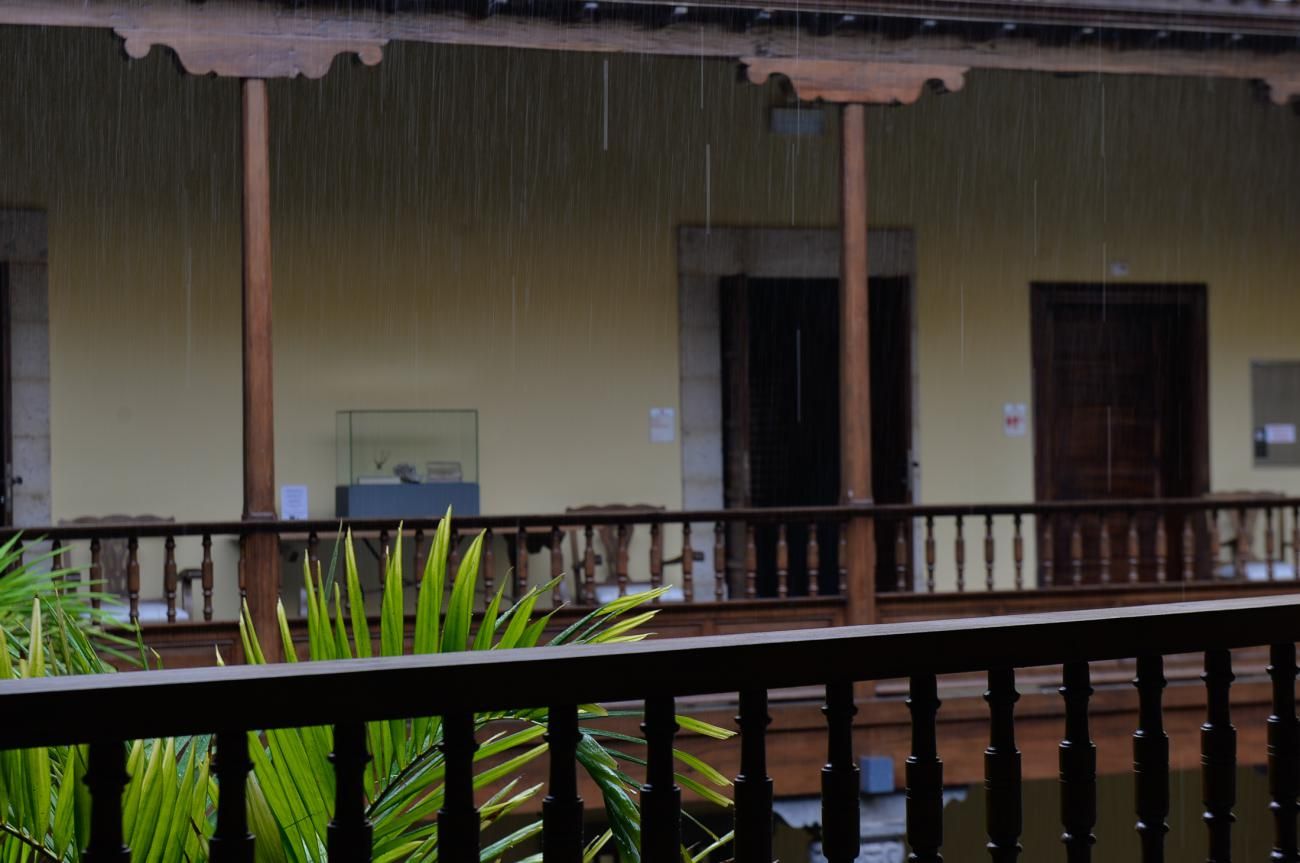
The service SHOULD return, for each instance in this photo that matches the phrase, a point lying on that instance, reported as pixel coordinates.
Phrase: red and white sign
(1015, 419)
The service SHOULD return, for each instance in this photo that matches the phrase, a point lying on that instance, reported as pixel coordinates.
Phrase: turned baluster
(453, 552)
(232, 842)
(133, 578)
(1268, 542)
(924, 773)
(1151, 760)
(458, 819)
(988, 552)
(1218, 755)
(814, 557)
(1283, 753)
(169, 577)
(562, 807)
(487, 562)
(520, 585)
(1002, 789)
(419, 556)
(656, 557)
(557, 565)
(929, 554)
(588, 566)
(59, 561)
(313, 554)
(753, 787)
(1189, 549)
(661, 799)
(205, 576)
(1242, 543)
(719, 561)
(1216, 546)
(383, 558)
(1018, 552)
(751, 563)
(1047, 552)
(841, 827)
(1134, 548)
(1076, 550)
(1103, 549)
(901, 581)
(96, 574)
(1162, 549)
(348, 834)
(241, 575)
(782, 563)
(1295, 540)
(106, 776)
(959, 556)
(843, 548)
(1078, 760)
(688, 564)
(621, 558)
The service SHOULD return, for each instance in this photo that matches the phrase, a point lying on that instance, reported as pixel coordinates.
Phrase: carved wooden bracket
(863, 82)
(245, 55)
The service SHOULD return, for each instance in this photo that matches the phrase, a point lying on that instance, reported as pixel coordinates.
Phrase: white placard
(663, 425)
(293, 502)
(1279, 433)
(1015, 419)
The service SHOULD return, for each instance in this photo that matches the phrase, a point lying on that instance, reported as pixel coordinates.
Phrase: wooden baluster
(1189, 549)
(562, 840)
(1268, 542)
(782, 563)
(621, 569)
(106, 776)
(458, 819)
(588, 567)
(901, 560)
(383, 558)
(841, 827)
(753, 787)
(1076, 550)
(521, 564)
(1218, 755)
(419, 556)
(232, 842)
(688, 564)
(1283, 753)
(348, 834)
(1212, 524)
(1134, 548)
(844, 559)
(929, 554)
(1151, 760)
(924, 772)
(656, 557)
(242, 575)
(57, 562)
(988, 552)
(205, 576)
(133, 578)
(1295, 541)
(1002, 792)
(1162, 549)
(453, 552)
(1047, 552)
(1103, 550)
(96, 574)
(1018, 552)
(751, 563)
(661, 799)
(169, 577)
(557, 565)
(813, 555)
(1242, 544)
(1078, 758)
(487, 560)
(959, 556)
(313, 554)
(719, 561)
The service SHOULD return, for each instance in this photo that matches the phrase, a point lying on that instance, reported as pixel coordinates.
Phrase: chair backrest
(113, 551)
(608, 534)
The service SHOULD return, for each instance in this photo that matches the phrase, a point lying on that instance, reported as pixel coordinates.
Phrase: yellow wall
(450, 231)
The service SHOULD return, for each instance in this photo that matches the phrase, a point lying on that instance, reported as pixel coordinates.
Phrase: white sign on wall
(663, 425)
(293, 502)
(1015, 419)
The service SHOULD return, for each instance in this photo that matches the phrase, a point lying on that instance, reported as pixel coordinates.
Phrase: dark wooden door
(1120, 409)
(782, 409)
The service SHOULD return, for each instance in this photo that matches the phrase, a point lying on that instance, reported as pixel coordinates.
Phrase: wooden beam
(855, 364)
(365, 32)
(845, 81)
(261, 556)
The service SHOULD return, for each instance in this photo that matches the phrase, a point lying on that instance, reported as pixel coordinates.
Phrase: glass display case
(406, 463)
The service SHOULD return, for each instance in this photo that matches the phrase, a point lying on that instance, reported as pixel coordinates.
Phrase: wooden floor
(796, 742)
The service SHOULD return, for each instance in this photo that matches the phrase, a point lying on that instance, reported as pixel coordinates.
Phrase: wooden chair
(606, 546)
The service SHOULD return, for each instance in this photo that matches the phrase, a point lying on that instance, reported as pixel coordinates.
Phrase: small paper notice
(293, 502)
(663, 425)
(1014, 422)
(1279, 433)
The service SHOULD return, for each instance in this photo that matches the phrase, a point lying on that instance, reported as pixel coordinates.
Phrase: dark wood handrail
(53, 711)
(767, 515)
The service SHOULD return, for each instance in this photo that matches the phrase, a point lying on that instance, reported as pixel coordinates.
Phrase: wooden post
(261, 550)
(855, 363)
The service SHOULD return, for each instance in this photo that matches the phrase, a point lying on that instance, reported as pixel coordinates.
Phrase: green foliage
(168, 805)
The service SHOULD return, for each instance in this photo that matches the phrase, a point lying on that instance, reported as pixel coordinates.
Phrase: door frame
(1190, 296)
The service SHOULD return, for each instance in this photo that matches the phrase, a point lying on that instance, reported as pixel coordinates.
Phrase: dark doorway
(781, 411)
(1119, 407)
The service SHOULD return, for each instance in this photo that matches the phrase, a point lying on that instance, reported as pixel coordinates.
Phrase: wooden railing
(720, 555)
(462, 687)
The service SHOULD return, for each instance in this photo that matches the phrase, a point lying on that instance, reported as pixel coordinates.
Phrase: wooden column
(261, 551)
(855, 363)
